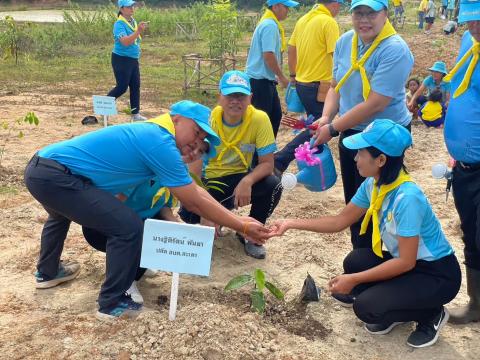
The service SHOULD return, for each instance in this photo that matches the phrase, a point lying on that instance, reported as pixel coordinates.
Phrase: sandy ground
(59, 323)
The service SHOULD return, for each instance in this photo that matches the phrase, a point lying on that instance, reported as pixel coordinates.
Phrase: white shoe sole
(54, 282)
(434, 340)
(383, 332)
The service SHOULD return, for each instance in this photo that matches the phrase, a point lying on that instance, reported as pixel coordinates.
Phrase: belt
(37, 160)
(469, 166)
(309, 84)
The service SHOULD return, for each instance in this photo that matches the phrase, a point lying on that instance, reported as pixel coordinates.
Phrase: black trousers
(66, 198)
(265, 97)
(466, 193)
(265, 197)
(352, 180)
(417, 295)
(127, 75)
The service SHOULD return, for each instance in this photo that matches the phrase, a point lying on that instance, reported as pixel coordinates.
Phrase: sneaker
(150, 273)
(138, 117)
(426, 334)
(65, 273)
(134, 293)
(346, 300)
(380, 329)
(125, 307)
(252, 249)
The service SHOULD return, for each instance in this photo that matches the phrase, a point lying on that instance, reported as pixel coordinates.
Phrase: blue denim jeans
(421, 16)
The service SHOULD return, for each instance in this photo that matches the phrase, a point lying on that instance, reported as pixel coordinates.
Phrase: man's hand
(322, 135)
(283, 81)
(243, 193)
(342, 284)
(255, 232)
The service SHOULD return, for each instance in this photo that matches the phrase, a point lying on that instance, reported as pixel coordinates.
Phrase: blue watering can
(314, 177)
(293, 100)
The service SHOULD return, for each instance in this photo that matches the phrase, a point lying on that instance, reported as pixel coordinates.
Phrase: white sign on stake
(104, 105)
(179, 248)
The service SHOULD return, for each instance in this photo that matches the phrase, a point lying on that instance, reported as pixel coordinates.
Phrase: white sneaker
(138, 117)
(134, 293)
(149, 273)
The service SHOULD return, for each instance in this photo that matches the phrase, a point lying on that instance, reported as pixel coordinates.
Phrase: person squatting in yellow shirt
(243, 130)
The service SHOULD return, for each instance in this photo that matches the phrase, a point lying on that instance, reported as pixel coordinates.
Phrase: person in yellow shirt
(432, 113)
(243, 130)
(310, 62)
(398, 8)
(422, 8)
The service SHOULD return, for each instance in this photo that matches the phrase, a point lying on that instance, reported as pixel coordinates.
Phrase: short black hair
(393, 165)
(435, 95)
(413, 79)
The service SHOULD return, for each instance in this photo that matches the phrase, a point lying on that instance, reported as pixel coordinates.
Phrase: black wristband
(293, 75)
(332, 131)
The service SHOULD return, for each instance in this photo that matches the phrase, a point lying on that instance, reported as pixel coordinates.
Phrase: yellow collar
(165, 121)
(269, 14)
(134, 27)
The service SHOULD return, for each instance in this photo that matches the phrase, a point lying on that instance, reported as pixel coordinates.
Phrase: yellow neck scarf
(318, 9)
(378, 195)
(358, 65)
(134, 27)
(217, 121)
(270, 15)
(165, 121)
(474, 51)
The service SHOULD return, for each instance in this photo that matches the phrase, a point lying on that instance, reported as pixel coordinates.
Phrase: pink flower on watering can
(306, 153)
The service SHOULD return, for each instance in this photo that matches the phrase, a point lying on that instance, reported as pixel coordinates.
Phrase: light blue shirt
(120, 157)
(266, 38)
(120, 29)
(443, 87)
(406, 212)
(462, 123)
(451, 4)
(387, 69)
(140, 199)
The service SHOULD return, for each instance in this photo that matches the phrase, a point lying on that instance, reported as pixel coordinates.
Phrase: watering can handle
(289, 89)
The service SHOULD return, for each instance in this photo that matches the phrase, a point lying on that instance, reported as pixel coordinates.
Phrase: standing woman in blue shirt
(418, 273)
(126, 52)
(372, 87)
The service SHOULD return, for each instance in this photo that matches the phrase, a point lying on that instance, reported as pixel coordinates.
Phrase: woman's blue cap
(439, 66)
(127, 3)
(469, 11)
(387, 136)
(198, 113)
(376, 5)
(287, 3)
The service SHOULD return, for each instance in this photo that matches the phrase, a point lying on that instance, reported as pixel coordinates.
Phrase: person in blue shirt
(462, 137)
(79, 180)
(357, 99)
(431, 83)
(127, 34)
(264, 61)
(417, 273)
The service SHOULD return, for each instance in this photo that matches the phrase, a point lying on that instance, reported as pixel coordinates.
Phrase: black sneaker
(252, 249)
(346, 300)
(380, 329)
(125, 307)
(426, 334)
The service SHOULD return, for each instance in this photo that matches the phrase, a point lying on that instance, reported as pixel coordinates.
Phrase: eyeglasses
(369, 15)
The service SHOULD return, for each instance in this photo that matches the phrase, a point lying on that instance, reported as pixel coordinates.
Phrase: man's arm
(272, 63)
(292, 61)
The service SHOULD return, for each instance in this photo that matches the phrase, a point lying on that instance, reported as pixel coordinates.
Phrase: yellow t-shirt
(432, 111)
(397, 2)
(259, 136)
(423, 5)
(315, 42)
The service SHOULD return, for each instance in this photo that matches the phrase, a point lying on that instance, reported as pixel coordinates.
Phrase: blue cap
(235, 81)
(439, 66)
(287, 3)
(212, 152)
(123, 3)
(198, 113)
(385, 135)
(376, 5)
(469, 11)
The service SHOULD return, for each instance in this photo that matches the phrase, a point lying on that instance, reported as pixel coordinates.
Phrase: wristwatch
(332, 131)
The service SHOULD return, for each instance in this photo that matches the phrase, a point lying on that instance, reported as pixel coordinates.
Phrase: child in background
(431, 83)
(450, 9)
(421, 12)
(412, 86)
(432, 113)
(398, 8)
(429, 16)
(450, 27)
(444, 9)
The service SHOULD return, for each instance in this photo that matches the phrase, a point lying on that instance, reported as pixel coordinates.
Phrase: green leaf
(274, 290)
(20, 134)
(212, 187)
(238, 282)
(259, 279)
(258, 301)
(216, 182)
(197, 180)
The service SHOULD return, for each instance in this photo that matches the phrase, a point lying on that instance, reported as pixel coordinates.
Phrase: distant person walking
(126, 52)
(421, 12)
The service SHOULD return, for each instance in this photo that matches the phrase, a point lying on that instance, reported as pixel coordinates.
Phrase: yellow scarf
(134, 27)
(358, 65)
(270, 15)
(378, 195)
(318, 9)
(165, 121)
(217, 121)
(474, 51)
